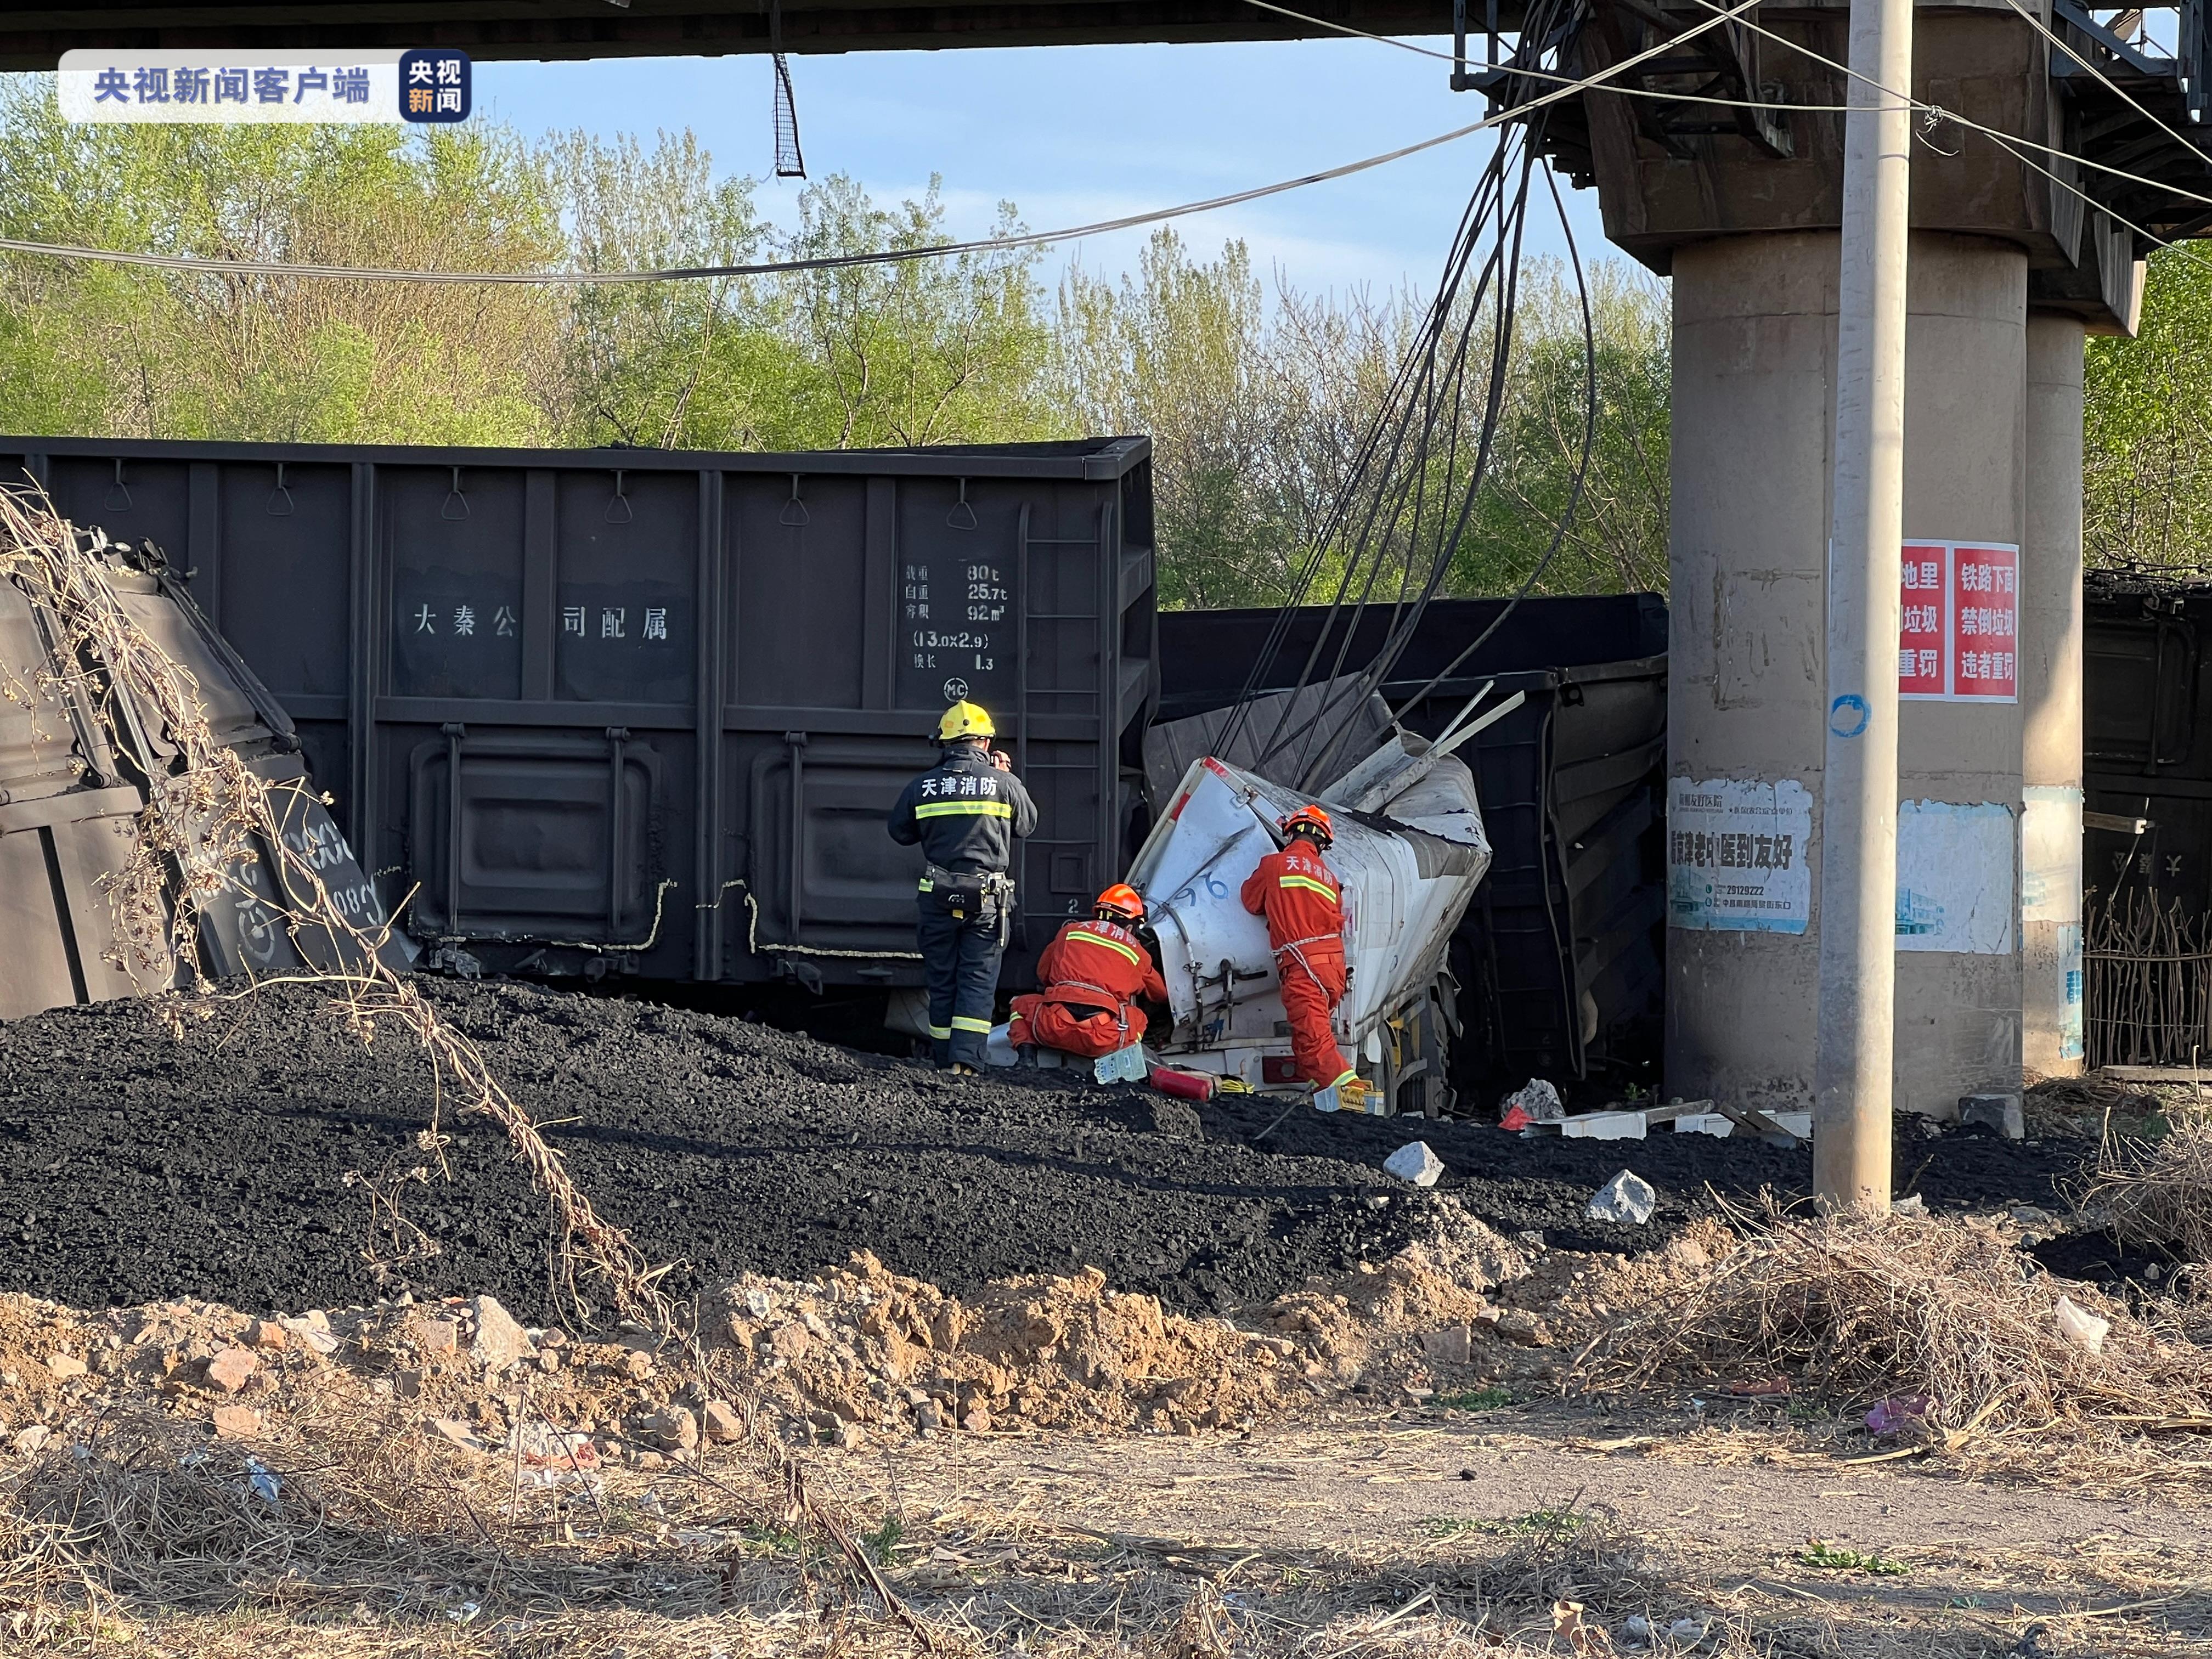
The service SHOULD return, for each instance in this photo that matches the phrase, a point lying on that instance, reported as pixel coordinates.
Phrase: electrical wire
(840, 261)
(1407, 503)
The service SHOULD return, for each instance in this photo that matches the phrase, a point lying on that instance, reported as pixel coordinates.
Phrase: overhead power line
(842, 261)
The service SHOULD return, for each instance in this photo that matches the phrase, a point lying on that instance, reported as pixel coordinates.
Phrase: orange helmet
(1123, 901)
(1313, 821)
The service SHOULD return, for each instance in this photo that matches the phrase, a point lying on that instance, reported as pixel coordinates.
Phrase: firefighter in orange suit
(1299, 896)
(1092, 972)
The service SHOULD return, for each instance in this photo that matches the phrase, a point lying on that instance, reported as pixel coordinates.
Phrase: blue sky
(1075, 134)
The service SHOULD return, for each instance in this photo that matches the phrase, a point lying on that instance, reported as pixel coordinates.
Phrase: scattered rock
(438, 1335)
(978, 1419)
(1414, 1162)
(1627, 1197)
(1452, 1346)
(672, 1430)
(229, 1369)
(455, 1431)
(233, 1422)
(31, 1439)
(407, 1383)
(790, 1342)
(637, 1365)
(265, 1334)
(720, 1421)
(2001, 1112)
(65, 1367)
(499, 1341)
(1537, 1101)
(1519, 1325)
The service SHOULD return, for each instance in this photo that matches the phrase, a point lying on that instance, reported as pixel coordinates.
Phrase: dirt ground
(996, 1367)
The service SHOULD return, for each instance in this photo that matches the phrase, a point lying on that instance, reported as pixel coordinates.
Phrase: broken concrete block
(1414, 1162)
(1627, 1197)
(2001, 1112)
(721, 1423)
(1452, 1346)
(499, 1341)
(229, 1369)
(236, 1422)
(1536, 1100)
(438, 1335)
(1604, 1125)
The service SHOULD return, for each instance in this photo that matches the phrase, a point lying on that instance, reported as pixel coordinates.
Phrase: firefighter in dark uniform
(965, 811)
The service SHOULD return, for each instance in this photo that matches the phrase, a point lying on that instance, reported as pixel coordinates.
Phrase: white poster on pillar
(2051, 855)
(1736, 856)
(1955, 890)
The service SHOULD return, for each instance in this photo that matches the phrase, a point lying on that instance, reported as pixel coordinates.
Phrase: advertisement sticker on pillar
(1736, 856)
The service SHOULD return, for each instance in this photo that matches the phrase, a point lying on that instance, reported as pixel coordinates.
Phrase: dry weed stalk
(1866, 1311)
(209, 819)
(2158, 1193)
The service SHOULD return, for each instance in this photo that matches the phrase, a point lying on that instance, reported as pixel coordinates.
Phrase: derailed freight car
(646, 711)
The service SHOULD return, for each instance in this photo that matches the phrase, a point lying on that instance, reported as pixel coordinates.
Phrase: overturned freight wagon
(646, 711)
(88, 790)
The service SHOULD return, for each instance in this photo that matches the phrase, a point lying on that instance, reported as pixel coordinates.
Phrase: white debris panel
(1409, 850)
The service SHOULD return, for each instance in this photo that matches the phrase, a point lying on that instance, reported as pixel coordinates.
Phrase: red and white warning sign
(1920, 655)
(1959, 624)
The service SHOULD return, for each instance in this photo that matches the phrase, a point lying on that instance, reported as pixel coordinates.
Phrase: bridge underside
(34, 37)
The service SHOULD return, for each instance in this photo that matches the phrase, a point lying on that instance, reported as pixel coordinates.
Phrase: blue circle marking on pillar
(1848, 715)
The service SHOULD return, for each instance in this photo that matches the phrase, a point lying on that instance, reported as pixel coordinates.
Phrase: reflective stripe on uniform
(942, 1033)
(965, 809)
(962, 1022)
(1348, 1075)
(1307, 882)
(928, 885)
(1080, 936)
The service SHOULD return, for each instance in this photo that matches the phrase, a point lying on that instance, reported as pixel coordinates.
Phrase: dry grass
(1866, 1311)
(2158, 1193)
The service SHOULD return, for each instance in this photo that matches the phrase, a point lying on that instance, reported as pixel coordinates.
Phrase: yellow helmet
(965, 719)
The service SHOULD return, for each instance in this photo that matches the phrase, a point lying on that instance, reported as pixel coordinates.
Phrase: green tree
(2146, 425)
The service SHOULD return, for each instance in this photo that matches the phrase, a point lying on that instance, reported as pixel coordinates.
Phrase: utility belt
(1081, 1003)
(1296, 949)
(966, 893)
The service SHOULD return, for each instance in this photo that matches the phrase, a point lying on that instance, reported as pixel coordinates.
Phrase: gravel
(235, 1163)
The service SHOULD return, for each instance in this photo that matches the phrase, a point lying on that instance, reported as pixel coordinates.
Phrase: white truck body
(1409, 850)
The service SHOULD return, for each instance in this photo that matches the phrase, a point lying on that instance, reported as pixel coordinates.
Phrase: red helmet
(1123, 901)
(1313, 821)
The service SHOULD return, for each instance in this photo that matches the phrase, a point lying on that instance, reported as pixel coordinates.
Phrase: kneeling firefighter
(965, 811)
(1092, 972)
(1299, 896)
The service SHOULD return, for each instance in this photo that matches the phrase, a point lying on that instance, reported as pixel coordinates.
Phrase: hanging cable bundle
(1410, 496)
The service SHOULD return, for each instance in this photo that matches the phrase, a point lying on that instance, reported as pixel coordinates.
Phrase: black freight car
(1559, 957)
(642, 709)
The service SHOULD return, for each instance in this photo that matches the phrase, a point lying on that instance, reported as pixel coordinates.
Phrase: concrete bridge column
(2051, 699)
(1753, 409)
